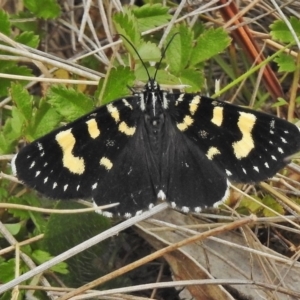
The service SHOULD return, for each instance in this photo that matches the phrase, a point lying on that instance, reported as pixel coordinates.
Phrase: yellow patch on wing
(106, 163)
(184, 125)
(113, 112)
(212, 151)
(93, 128)
(217, 118)
(66, 141)
(194, 104)
(243, 147)
(123, 127)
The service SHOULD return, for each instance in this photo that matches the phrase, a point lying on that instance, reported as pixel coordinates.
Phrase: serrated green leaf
(11, 68)
(69, 103)
(194, 79)
(286, 63)
(17, 122)
(179, 51)
(8, 137)
(151, 16)
(40, 256)
(29, 39)
(4, 23)
(116, 85)
(149, 52)
(27, 199)
(126, 25)
(280, 31)
(22, 100)
(273, 204)
(46, 9)
(25, 22)
(7, 271)
(44, 120)
(210, 43)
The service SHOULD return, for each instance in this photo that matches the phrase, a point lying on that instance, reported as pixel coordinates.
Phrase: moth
(179, 147)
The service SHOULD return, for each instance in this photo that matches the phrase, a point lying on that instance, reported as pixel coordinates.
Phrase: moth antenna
(163, 54)
(134, 49)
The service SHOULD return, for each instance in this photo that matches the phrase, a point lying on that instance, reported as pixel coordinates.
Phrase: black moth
(179, 147)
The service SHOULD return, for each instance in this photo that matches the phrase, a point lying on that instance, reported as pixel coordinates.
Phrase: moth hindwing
(184, 148)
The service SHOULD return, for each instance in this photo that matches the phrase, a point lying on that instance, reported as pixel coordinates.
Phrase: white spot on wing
(65, 187)
(197, 209)
(185, 209)
(32, 165)
(161, 195)
(228, 173)
(127, 215)
(280, 150)
(273, 157)
(226, 195)
(78, 186)
(151, 205)
(46, 179)
(173, 204)
(54, 185)
(94, 186)
(256, 168)
(266, 165)
(244, 171)
(37, 173)
(126, 103)
(40, 146)
(283, 140)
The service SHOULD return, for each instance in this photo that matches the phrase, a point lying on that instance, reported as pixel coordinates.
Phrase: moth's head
(152, 86)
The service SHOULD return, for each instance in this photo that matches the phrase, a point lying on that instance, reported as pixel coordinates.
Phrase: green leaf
(25, 22)
(11, 68)
(8, 136)
(22, 99)
(286, 63)
(40, 256)
(4, 23)
(14, 229)
(280, 31)
(18, 121)
(149, 52)
(46, 9)
(69, 103)
(115, 85)
(45, 119)
(272, 203)
(126, 24)
(194, 79)
(180, 49)
(29, 39)
(150, 16)
(7, 271)
(210, 43)
(65, 231)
